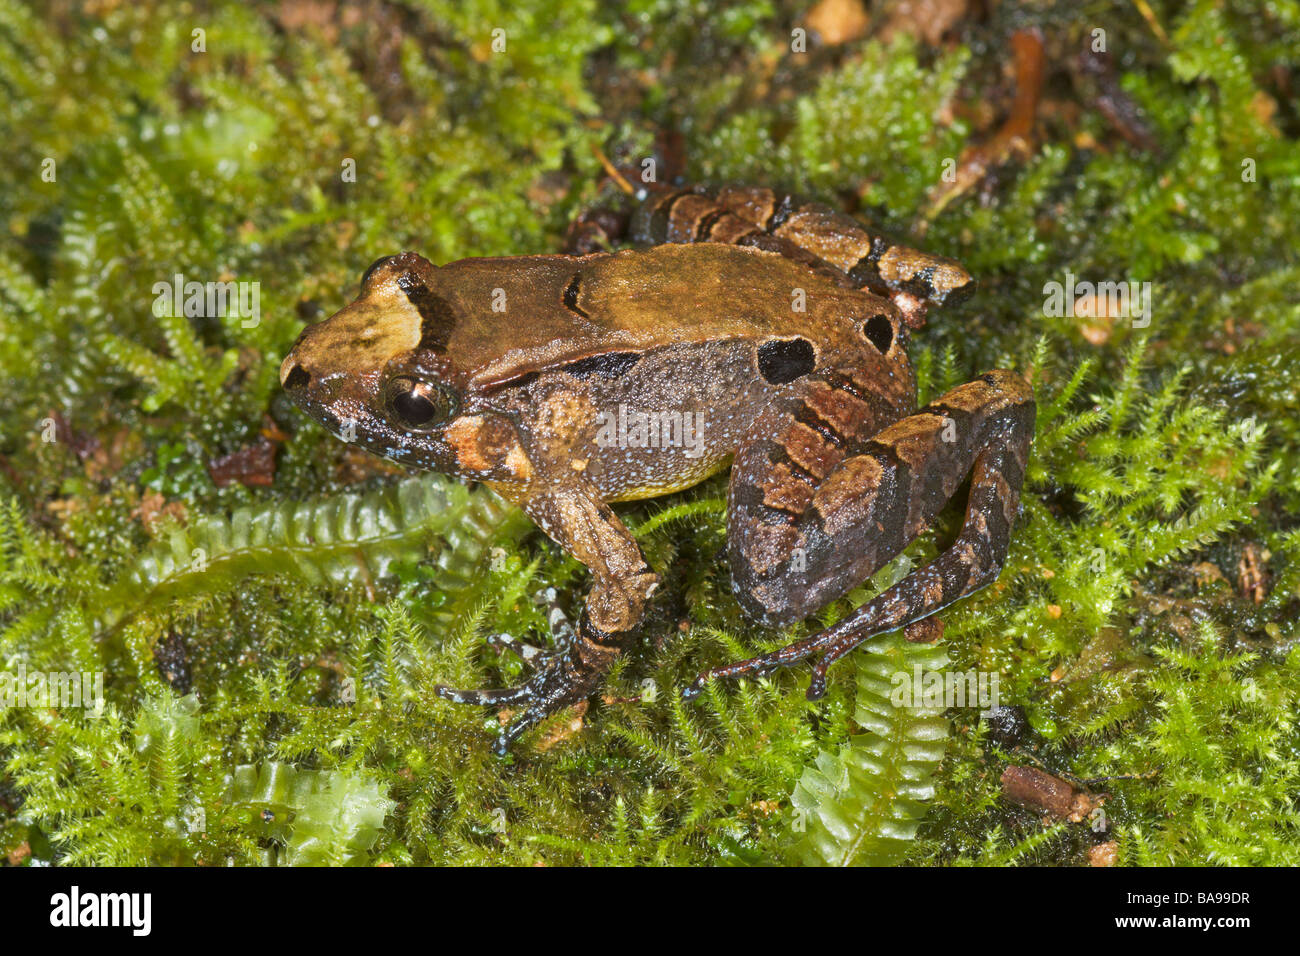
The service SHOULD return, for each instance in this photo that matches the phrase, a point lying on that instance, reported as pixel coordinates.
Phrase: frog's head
(377, 372)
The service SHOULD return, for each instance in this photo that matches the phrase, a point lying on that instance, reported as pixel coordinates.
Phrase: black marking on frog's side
(866, 270)
(879, 331)
(705, 227)
(609, 366)
(922, 283)
(571, 296)
(783, 211)
(663, 212)
(784, 360)
(842, 382)
(437, 319)
(808, 416)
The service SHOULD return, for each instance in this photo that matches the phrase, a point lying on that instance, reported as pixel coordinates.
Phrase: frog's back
(528, 313)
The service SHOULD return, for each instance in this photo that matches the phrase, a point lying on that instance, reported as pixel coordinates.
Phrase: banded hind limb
(801, 539)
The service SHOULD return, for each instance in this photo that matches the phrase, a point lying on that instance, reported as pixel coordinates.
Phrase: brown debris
(1095, 320)
(925, 631)
(1251, 576)
(1015, 136)
(1207, 572)
(1057, 799)
(1111, 101)
(19, 854)
(593, 230)
(154, 508)
(1104, 854)
(838, 21)
(927, 20)
(253, 465)
(567, 727)
(299, 15)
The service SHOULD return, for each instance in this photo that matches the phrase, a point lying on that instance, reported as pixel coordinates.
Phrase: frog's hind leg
(801, 538)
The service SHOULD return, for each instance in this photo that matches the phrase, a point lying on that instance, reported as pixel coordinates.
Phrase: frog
(740, 328)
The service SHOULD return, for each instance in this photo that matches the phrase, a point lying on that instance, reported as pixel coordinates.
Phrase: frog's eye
(371, 271)
(418, 405)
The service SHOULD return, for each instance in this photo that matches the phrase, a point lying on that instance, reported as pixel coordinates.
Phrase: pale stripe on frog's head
(374, 371)
(397, 312)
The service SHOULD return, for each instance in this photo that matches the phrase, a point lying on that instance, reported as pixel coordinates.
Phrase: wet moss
(1146, 620)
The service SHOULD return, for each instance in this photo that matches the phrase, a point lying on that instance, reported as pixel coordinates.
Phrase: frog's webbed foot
(560, 679)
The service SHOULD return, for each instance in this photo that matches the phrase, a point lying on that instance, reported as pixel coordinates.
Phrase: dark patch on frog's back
(437, 318)
(783, 360)
(879, 331)
(608, 366)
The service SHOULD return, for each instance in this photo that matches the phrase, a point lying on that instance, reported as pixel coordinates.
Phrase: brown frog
(756, 330)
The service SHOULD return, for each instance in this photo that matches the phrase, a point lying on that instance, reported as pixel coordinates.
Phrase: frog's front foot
(560, 627)
(554, 686)
(559, 680)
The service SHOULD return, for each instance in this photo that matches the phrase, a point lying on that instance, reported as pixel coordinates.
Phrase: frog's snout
(292, 375)
(296, 373)
(294, 378)
(306, 374)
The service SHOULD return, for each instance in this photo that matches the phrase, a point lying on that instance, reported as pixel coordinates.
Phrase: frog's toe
(758, 666)
(494, 697)
(501, 643)
(556, 683)
(531, 716)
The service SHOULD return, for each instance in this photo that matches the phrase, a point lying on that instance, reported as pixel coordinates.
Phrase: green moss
(273, 702)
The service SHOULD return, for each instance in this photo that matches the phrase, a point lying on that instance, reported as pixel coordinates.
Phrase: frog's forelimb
(622, 583)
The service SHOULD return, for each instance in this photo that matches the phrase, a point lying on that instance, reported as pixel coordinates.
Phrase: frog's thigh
(788, 555)
(811, 520)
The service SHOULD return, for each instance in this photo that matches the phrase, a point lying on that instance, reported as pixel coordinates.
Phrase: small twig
(612, 171)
